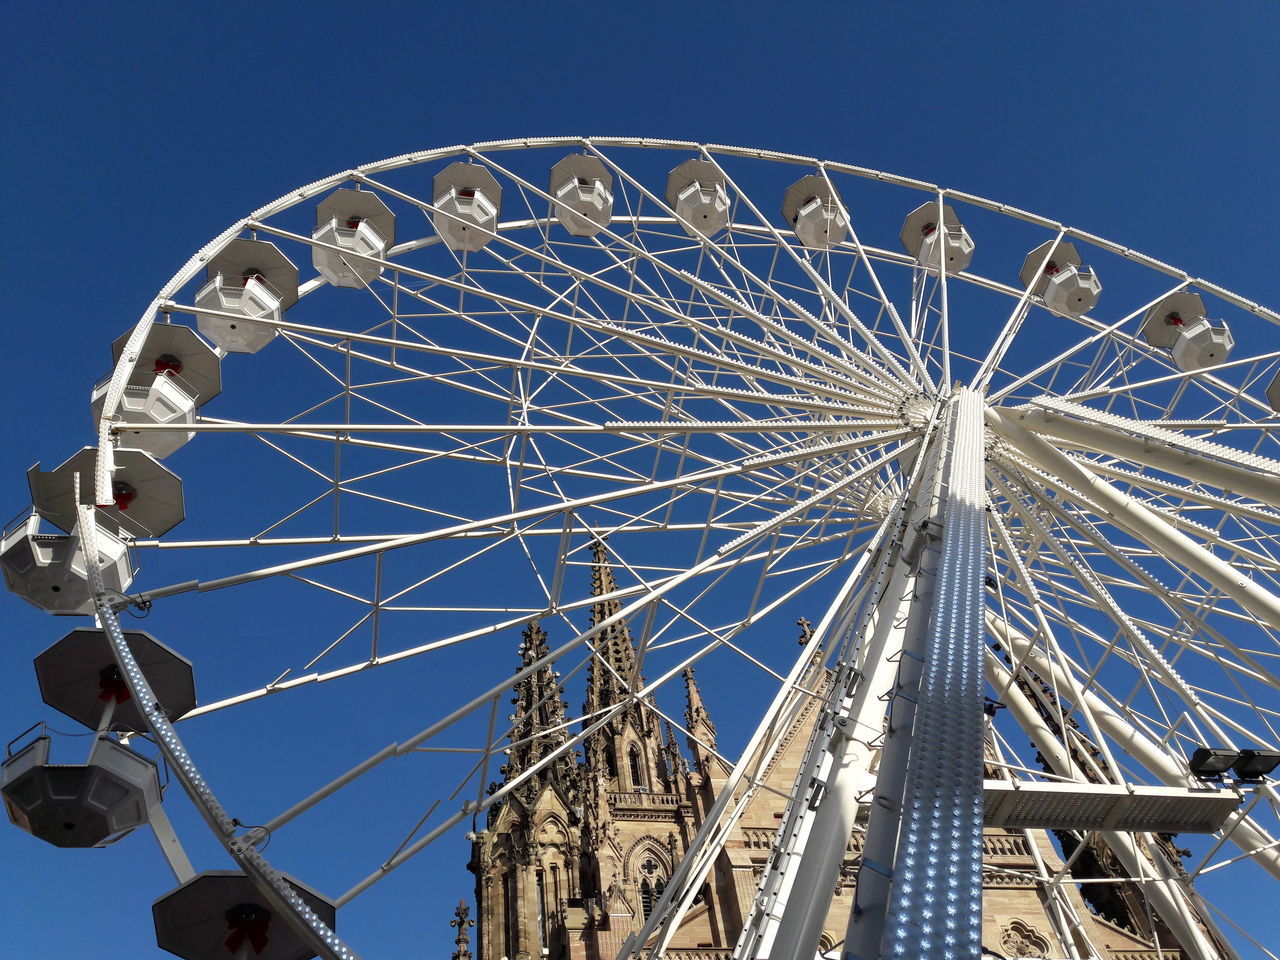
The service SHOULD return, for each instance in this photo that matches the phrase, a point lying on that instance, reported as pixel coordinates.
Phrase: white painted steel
(743, 406)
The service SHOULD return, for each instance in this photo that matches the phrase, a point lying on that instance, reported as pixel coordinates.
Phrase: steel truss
(1042, 511)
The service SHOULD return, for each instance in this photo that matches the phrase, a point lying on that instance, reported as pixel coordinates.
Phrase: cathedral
(572, 862)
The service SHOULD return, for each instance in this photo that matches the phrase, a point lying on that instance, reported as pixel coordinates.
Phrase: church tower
(526, 859)
(573, 860)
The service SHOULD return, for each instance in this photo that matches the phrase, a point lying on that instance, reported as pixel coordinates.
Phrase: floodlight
(1256, 764)
(1208, 763)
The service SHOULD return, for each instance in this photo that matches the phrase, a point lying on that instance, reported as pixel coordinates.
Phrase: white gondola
(1202, 344)
(249, 281)
(467, 199)
(1072, 291)
(147, 497)
(362, 227)
(583, 191)
(1164, 319)
(88, 804)
(174, 374)
(931, 245)
(696, 192)
(815, 213)
(1067, 287)
(164, 401)
(220, 914)
(48, 569)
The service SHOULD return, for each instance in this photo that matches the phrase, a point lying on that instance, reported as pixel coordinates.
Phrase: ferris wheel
(373, 429)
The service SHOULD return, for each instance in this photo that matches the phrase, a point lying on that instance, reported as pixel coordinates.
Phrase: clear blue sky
(134, 132)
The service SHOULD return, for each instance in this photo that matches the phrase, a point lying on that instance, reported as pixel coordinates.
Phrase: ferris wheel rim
(189, 271)
(315, 187)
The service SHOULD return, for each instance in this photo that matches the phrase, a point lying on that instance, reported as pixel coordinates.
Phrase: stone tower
(572, 861)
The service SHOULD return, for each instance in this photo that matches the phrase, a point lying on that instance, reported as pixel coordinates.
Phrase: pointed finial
(533, 644)
(462, 921)
(695, 714)
(806, 630)
(676, 762)
(602, 581)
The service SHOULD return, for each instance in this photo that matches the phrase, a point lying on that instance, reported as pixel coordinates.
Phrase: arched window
(542, 910)
(651, 886)
(610, 763)
(633, 757)
(647, 898)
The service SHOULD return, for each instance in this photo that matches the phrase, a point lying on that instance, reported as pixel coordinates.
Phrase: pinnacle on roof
(613, 644)
(697, 720)
(676, 763)
(462, 921)
(538, 724)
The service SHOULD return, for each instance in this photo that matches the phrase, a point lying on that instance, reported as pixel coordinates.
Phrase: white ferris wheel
(1032, 521)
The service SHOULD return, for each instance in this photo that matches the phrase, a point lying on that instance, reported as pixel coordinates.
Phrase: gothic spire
(676, 764)
(462, 921)
(538, 723)
(613, 645)
(697, 720)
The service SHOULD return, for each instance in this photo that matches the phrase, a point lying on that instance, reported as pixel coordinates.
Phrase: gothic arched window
(651, 886)
(633, 758)
(610, 763)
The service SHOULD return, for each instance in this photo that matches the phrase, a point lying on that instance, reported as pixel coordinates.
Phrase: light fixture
(1208, 763)
(1256, 764)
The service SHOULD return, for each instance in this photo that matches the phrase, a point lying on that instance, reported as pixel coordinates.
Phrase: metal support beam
(170, 846)
(917, 567)
(1138, 519)
(936, 906)
(1162, 888)
(795, 890)
(1242, 830)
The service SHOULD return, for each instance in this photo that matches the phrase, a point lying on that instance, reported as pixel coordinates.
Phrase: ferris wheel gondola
(515, 362)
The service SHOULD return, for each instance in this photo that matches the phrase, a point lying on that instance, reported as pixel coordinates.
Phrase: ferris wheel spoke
(886, 356)
(1043, 629)
(654, 302)
(905, 339)
(1100, 335)
(1245, 667)
(669, 304)
(551, 367)
(1136, 519)
(698, 478)
(1004, 339)
(654, 594)
(666, 347)
(1241, 396)
(763, 286)
(1187, 612)
(1143, 650)
(1173, 451)
(1256, 562)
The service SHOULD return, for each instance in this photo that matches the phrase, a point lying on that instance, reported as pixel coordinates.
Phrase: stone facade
(570, 864)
